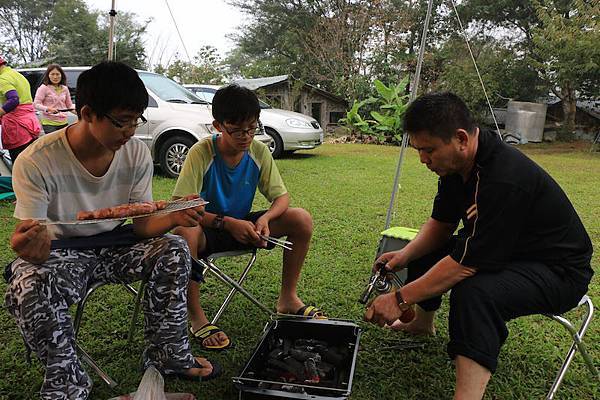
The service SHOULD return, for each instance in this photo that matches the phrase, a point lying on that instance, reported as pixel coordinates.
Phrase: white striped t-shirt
(50, 183)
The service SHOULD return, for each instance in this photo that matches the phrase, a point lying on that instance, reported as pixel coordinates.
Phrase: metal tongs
(277, 242)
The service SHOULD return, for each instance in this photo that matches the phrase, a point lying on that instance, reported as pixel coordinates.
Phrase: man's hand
(31, 241)
(383, 310)
(242, 231)
(393, 261)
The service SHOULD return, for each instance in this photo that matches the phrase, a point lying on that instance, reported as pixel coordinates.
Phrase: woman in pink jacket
(53, 98)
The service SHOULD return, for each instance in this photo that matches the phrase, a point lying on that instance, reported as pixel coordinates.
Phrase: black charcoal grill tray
(334, 332)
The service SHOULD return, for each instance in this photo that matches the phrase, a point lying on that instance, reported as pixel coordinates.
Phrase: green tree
(79, 36)
(207, 67)
(74, 36)
(320, 42)
(128, 38)
(505, 75)
(23, 29)
(566, 51)
(558, 38)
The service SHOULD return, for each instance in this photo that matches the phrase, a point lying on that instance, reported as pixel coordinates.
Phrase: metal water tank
(526, 120)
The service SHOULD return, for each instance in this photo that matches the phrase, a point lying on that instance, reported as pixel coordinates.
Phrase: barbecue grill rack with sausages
(131, 210)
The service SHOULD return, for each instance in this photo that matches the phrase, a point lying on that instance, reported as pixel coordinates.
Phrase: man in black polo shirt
(522, 249)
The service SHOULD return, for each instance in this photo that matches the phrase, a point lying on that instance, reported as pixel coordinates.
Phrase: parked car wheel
(173, 153)
(276, 146)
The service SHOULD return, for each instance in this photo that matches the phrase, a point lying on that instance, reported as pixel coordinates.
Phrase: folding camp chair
(5, 163)
(577, 344)
(596, 140)
(209, 264)
(85, 357)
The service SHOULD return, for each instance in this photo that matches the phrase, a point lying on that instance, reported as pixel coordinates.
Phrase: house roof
(591, 107)
(257, 83)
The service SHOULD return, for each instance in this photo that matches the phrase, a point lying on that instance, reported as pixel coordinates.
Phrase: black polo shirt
(511, 210)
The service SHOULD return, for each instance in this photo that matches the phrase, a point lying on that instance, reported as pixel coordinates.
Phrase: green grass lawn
(346, 188)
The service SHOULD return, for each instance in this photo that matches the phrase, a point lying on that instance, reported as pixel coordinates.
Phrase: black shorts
(218, 241)
(481, 305)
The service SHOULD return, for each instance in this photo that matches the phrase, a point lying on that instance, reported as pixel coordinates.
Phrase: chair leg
(233, 290)
(85, 357)
(136, 310)
(223, 277)
(577, 345)
(81, 306)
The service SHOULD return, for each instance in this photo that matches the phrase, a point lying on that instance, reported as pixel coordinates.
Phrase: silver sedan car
(289, 130)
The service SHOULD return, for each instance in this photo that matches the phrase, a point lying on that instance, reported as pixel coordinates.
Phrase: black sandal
(217, 370)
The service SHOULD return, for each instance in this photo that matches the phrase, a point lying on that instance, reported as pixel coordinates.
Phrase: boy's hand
(262, 228)
(31, 241)
(242, 231)
(189, 217)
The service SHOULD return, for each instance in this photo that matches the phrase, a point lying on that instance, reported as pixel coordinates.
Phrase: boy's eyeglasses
(239, 133)
(118, 124)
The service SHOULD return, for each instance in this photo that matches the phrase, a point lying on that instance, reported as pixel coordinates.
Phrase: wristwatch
(401, 303)
(218, 222)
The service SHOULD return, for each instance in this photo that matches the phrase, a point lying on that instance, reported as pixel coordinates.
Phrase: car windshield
(263, 105)
(208, 94)
(169, 90)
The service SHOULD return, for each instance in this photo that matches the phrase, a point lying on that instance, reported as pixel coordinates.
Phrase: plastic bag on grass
(152, 387)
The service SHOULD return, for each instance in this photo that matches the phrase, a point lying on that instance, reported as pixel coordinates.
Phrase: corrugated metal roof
(591, 107)
(257, 83)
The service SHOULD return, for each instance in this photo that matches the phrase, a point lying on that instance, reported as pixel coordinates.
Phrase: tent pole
(413, 94)
(111, 30)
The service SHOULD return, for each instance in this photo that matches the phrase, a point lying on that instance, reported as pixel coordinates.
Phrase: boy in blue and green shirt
(226, 170)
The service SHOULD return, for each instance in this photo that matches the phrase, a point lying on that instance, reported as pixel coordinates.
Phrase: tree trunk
(569, 105)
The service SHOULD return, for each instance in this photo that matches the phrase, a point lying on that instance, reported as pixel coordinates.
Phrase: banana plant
(386, 124)
(354, 120)
(393, 104)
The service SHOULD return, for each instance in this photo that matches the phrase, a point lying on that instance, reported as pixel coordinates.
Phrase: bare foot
(422, 324)
(204, 371)
(289, 306)
(216, 339)
(413, 328)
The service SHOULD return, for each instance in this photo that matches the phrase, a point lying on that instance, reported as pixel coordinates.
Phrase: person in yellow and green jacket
(20, 125)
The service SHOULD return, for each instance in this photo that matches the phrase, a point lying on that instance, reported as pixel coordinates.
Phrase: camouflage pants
(39, 297)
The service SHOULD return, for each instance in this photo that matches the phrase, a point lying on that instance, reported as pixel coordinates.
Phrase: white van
(176, 117)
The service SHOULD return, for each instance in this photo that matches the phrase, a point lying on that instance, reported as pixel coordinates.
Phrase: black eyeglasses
(118, 124)
(239, 133)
